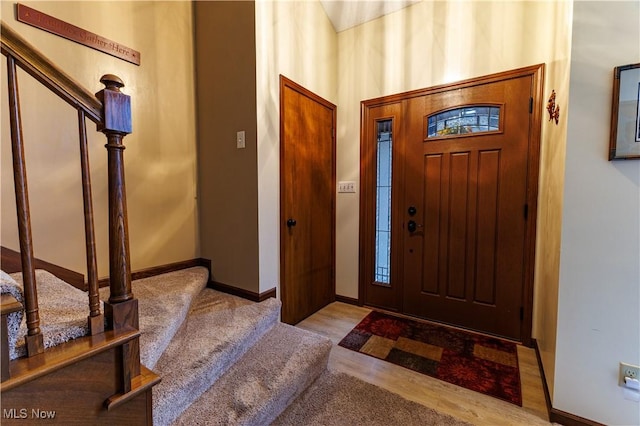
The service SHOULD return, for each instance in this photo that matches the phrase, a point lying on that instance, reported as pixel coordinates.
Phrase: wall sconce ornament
(552, 108)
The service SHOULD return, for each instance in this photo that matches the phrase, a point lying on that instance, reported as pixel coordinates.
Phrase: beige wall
(549, 221)
(424, 45)
(297, 40)
(599, 290)
(160, 157)
(228, 177)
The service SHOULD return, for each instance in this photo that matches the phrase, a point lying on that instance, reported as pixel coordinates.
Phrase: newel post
(121, 310)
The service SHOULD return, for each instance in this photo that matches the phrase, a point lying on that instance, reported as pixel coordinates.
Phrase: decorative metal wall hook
(552, 108)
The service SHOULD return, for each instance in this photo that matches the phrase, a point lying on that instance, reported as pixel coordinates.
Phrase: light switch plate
(240, 139)
(346, 186)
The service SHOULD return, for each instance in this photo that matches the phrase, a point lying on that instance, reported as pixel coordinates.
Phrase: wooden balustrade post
(122, 308)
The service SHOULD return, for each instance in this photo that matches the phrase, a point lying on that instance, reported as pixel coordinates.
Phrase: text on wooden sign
(71, 32)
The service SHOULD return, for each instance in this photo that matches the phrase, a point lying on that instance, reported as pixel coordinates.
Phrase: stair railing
(111, 111)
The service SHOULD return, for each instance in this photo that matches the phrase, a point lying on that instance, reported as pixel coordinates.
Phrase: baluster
(33, 339)
(95, 319)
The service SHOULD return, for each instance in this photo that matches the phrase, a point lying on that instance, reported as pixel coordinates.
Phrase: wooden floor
(337, 319)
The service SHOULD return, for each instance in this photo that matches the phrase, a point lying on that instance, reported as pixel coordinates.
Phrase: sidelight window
(470, 119)
(382, 274)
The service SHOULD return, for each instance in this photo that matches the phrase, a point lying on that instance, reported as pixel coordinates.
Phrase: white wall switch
(346, 186)
(240, 141)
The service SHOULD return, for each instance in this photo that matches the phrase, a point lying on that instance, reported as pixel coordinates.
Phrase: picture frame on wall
(625, 113)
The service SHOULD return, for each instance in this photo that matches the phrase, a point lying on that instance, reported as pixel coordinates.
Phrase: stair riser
(264, 382)
(203, 351)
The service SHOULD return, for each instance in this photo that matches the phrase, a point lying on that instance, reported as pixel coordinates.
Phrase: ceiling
(345, 14)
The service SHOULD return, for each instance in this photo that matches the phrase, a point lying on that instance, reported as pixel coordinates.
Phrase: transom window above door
(468, 119)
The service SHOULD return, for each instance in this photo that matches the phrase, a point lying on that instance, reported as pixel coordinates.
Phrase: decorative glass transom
(382, 273)
(470, 119)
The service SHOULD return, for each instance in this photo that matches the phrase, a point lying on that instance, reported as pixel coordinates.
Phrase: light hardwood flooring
(337, 319)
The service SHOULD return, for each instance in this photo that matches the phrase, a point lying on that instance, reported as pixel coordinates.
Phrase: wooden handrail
(42, 69)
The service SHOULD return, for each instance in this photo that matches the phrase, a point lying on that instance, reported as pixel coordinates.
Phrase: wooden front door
(307, 201)
(464, 242)
(464, 191)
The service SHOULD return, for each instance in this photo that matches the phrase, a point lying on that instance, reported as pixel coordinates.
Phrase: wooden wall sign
(71, 32)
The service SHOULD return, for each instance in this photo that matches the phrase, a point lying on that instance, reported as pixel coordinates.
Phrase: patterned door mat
(480, 363)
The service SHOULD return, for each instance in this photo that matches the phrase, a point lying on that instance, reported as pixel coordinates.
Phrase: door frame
(368, 169)
(287, 83)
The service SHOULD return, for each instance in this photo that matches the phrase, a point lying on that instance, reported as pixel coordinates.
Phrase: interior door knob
(291, 223)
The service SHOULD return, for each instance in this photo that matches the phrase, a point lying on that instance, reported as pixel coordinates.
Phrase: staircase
(222, 359)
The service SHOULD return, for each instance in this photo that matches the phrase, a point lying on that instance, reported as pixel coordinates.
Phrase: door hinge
(521, 313)
(530, 105)
(526, 211)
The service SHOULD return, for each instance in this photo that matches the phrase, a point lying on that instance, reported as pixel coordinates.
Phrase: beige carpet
(267, 379)
(337, 399)
(192, 354)
(63, 311)
(163, 302)
(208, 343)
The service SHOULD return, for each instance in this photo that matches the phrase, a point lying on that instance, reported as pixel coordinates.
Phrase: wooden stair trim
(163, 269)
(139, 384)
(26, 369)
(9, 304)
(241, 292)
(11, 263)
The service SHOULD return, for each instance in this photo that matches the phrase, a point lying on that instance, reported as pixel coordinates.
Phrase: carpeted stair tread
(63, 311)
(338, 399)
(163, 303)
(264, 381)
(212, 338)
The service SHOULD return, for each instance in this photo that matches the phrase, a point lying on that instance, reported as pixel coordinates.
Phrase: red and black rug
(480, 363)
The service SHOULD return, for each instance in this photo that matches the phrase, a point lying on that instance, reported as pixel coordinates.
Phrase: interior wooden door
(307, 201)
(466, 209)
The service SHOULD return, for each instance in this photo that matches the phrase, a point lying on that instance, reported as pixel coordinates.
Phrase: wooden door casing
(307, 196)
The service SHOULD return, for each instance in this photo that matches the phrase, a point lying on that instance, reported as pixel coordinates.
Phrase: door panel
(486, 250)
(307, 209)
(464, 263)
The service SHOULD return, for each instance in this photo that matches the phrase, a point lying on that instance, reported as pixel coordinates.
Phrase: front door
(307, 202)
(465, 198)
(462, 192)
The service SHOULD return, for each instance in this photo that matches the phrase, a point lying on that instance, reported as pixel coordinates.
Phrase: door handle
(291, 223)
